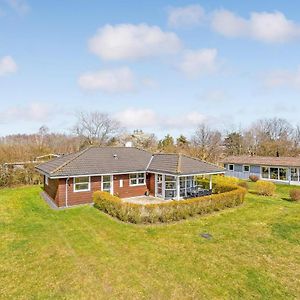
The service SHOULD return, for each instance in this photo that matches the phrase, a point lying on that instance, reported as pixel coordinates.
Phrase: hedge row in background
(230, 196)
(26, 175)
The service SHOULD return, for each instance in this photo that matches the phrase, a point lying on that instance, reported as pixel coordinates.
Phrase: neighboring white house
(277, 169)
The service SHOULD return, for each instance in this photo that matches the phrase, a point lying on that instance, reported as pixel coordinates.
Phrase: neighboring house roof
(263, 161)
(110, 160)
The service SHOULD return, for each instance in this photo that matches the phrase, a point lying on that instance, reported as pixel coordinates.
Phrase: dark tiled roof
(164, 162)
(181, 164)
(263, 161)
(99, 160)
(190, 165)
(108, 160)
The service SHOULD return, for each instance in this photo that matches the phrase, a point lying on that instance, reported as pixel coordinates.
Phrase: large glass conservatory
(180, 186)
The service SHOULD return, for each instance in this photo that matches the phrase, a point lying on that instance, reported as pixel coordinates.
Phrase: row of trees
(267, 137)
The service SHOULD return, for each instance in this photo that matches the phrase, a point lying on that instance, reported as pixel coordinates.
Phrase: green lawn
(80, 253)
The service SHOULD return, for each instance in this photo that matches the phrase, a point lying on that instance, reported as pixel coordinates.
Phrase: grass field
(80, 253)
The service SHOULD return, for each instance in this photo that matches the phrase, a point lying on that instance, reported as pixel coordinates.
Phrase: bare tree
(95, 127)
(296, 140)
(273, 136)
(207, 144)
(41, 136)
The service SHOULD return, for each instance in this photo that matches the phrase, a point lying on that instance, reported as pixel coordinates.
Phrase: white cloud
(135, 117)
(189, 120)
(148, 118)
(35, 111)
(199, 62)
(20, 6)
(263, 26)
(128, 41)
(283, 78)
(110, 80)
(7, 65)
(188, 16)
(228, 24)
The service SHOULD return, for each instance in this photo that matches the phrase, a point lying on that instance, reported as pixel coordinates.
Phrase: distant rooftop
(263, 161)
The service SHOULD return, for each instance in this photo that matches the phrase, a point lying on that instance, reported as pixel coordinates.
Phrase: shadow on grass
(290, 200)
(253, 192)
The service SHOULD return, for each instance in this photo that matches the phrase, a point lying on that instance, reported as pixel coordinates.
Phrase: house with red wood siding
(123, 171)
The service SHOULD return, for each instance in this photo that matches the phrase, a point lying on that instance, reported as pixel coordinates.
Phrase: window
(274, 173)
(170, 187)
(294, 174)
(137, 179)
(46, 180)
(282, 174)
(186, 184)
(231, 167)
(246, 168)
(81, 184)
(265, 172)
(106, 183)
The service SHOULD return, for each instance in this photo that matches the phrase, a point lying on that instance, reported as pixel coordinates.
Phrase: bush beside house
(295, 195)
(253, 178)
(265, 188)
(228, 196)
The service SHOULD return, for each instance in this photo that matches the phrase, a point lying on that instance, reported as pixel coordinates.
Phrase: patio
(191, 192)
(145, 200)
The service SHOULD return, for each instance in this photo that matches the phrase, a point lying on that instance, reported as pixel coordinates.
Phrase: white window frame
(111, 183)
(46, 180)
(261, 172)
(278, 173)
(298, 174)
(232, 167)
(137, 179)
(244, 168)
(75, 184)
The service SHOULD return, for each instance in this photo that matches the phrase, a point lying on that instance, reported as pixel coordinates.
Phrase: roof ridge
(149, 163)
(259, 156)
(123, 147)
(179, 163)
(161, 153)
(67, 162)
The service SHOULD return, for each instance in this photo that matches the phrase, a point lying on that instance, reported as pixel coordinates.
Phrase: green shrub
(225, 180)
(168, 211)
(218, 181)
(265, 188)
(253, 178)
(295, 195)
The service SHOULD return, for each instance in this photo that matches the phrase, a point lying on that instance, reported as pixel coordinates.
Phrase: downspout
(67, 183)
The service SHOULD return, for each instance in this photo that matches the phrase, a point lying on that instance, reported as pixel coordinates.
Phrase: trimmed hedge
(229, 196)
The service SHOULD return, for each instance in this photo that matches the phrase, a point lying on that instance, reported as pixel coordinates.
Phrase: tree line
(265, 137)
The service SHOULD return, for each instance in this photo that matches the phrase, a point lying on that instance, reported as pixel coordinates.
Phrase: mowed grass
(81, 253)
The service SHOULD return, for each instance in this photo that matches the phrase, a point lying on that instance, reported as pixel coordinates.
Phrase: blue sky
(162, 66)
